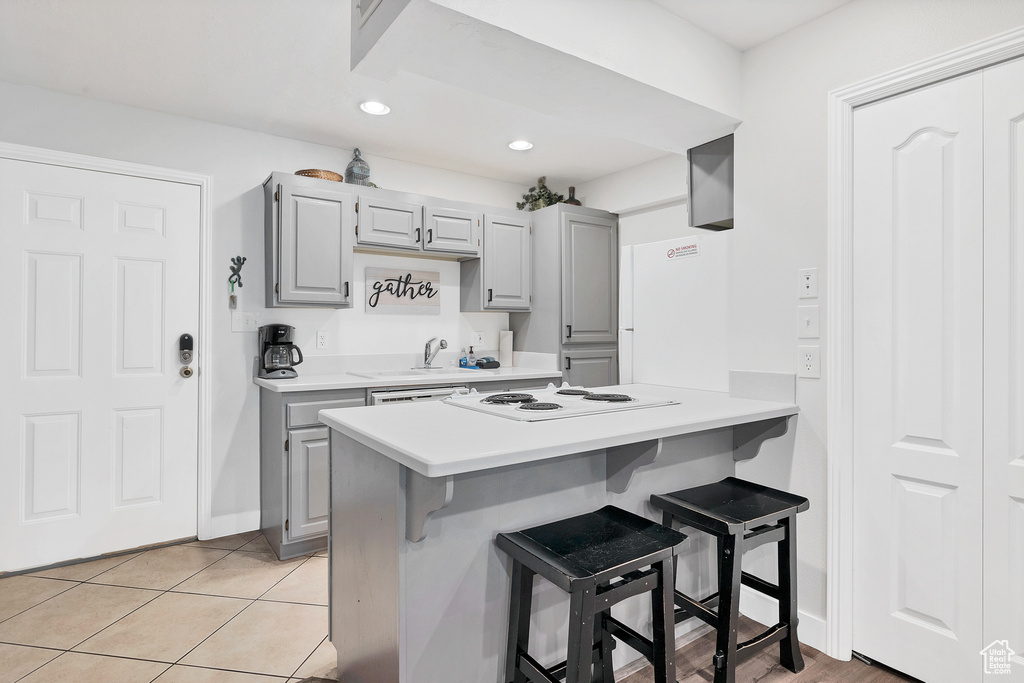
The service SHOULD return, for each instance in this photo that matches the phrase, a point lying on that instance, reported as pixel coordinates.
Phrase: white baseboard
(765, 610)
(239, 522)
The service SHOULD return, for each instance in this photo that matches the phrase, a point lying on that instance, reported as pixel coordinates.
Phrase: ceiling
(747, 23)
(283, 69)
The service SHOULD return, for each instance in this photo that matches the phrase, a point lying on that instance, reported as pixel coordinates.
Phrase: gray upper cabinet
(574, 313)
(502, 279)
(589, 279)
(309, 226)
(386, 222)
(451, 230)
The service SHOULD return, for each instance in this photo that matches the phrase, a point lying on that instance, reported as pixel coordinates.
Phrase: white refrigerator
(674, 312)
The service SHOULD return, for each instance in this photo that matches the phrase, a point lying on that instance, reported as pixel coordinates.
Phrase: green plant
(538, 197)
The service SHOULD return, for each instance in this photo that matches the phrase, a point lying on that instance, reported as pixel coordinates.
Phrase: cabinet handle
(568, 363)
(417, 234)
(430, 235)
(346, 289)
(568, 333)
(490, 295)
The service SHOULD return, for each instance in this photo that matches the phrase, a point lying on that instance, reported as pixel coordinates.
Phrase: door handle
(417, 234)
(346, 289)
(430, 235)
(185, 344)
(568, 333)
(490, 295)
(568, 363)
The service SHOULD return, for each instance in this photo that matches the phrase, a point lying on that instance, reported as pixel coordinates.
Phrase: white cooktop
(553, 403)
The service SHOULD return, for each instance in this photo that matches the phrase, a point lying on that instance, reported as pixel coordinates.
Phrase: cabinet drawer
(305, 413)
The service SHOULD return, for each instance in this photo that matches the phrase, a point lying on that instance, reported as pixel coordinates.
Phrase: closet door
(918, 381)
(1004, 359)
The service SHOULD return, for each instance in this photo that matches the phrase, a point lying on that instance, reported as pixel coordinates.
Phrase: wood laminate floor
(693, 665)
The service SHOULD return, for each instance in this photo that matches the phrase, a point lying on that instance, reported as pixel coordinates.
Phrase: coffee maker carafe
(278, 355)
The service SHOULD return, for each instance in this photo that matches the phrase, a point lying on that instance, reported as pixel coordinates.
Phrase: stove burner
(609, 398)
(573, 392)
(540, 406)
(508, 399)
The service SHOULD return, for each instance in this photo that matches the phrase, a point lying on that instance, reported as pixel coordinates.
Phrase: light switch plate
(809, 325)
(478, 339)
(245, 321)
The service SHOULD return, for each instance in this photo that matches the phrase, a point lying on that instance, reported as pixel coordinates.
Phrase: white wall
(781, 197)
(781, 204)
(238, 161)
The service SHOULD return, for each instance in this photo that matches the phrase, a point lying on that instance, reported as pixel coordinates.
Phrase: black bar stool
(599, 559)
(741, 516)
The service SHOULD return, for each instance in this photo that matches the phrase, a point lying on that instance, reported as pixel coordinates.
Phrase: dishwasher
(386, 397)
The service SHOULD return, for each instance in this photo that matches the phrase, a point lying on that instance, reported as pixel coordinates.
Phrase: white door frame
(842, 102)
(204, 474)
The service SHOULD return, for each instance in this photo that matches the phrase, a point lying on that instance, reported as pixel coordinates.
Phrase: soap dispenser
(471, 359)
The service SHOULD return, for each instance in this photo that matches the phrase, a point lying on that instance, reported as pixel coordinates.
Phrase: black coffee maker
(278, 355)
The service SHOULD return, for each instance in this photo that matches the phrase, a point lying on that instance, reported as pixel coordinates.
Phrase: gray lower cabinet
(502, 279)
(294, 467)
(575, 293)
(309, 238)
(590, 365)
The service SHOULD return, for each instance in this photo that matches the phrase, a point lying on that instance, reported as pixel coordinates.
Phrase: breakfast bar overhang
(418, 591)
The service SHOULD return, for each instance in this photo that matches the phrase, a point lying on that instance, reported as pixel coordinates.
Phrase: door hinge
(357, 229)
(531, 298)
(357, 207)
(277, 195)
(277, 287)
(286, 443)
(286, 524)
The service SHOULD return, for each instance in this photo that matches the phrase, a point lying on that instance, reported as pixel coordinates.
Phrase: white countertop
(436, 439)
(345, 380)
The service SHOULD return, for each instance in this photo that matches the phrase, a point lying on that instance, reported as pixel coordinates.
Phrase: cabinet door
(590, 367)
(315, 246)
(388, 223)
(308, 492)
(507, 262)
(589, 279)
(451, 230)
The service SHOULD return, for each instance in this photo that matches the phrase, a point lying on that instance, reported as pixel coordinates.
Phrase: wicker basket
(323, 175)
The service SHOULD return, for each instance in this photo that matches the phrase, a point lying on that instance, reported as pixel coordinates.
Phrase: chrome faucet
(428, 355)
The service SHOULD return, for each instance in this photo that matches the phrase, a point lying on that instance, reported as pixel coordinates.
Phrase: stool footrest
(688, 607)
(536, 673)
(630, 637)
(760, 585)
(768, 637)
(763, 534)
(633, 583)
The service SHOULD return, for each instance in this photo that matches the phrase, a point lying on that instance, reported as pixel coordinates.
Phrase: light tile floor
(220, 611)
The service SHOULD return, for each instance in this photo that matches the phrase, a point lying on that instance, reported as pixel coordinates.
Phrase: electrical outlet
(478, 338)
(808, 283)
(809, 326)
(321, 340)
(808, 363)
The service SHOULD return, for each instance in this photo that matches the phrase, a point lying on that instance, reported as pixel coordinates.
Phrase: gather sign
(409, 292)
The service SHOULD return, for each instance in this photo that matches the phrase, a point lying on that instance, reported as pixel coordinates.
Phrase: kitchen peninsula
(418, 591)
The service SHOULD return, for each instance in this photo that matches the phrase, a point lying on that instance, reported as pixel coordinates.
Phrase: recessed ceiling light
(520, 145)
(375, 108)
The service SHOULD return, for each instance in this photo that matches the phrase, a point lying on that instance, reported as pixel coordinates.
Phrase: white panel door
(918, 315)
(100, 273)
(1004, 359)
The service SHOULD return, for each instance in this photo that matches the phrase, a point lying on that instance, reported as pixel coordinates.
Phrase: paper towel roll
(505, 348)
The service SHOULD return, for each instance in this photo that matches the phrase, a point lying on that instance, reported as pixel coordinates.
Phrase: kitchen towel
(505, 349)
